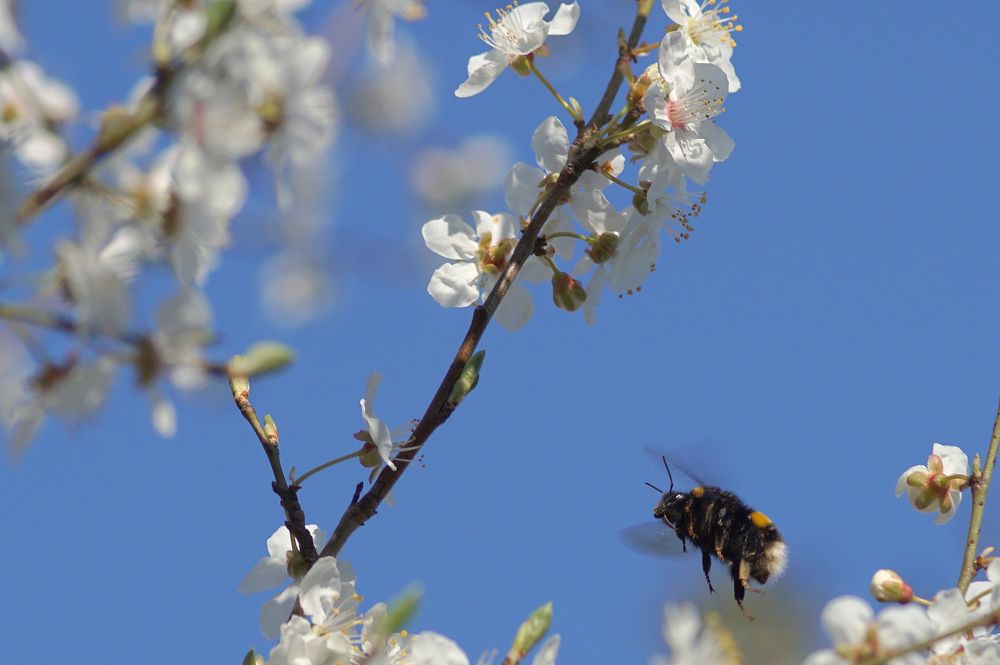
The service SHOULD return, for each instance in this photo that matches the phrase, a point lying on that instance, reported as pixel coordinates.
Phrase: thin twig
(980, 486)
(295, 519)
(579, 160)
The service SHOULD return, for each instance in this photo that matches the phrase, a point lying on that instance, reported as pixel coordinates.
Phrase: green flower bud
(603, 247)
(467, 380)
(261, 358)
(219, 15)
(530, 632)
(240, 385)
(567, 293)
(271, 429)
(641, 203)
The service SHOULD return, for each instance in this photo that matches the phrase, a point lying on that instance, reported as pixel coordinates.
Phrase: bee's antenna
(669, 475)
(655, 487)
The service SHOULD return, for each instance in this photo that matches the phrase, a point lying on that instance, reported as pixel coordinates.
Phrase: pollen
(698, 492)
(506, 31)
(760, 520)
(714, 24)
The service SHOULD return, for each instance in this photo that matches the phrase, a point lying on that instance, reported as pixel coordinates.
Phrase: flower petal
(551, 144)
(483, 70)
(565, 19)
(450, 237)
(454, 284)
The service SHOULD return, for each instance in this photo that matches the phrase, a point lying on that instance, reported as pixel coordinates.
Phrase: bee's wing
(658, 456)
(653, 538)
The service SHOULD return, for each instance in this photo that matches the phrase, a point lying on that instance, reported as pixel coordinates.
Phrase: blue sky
(834, 314)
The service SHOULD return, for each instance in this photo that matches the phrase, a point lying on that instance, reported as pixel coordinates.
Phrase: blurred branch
(980, 486)
(581, 158)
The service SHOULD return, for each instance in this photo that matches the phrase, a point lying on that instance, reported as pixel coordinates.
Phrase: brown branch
(295, 519)
(980, 486)
(581, 158)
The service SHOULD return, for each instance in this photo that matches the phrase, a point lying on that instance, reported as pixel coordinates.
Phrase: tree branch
(980, 486)
(580, 159)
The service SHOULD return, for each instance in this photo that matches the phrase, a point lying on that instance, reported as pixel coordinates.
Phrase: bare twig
(980, 486)
(295, 519)
(581, 158)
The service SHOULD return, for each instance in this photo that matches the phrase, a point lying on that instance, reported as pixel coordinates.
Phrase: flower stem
(569, 109)
(567, 234)
(627, 133)
(980, 482)
(325, 465)
(622, 183)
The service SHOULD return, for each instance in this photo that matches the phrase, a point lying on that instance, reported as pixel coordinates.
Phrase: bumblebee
(718, 523)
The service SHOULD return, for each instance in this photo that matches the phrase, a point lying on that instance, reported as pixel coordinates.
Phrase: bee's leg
(706, 565)
(740, 572)
(683, 542)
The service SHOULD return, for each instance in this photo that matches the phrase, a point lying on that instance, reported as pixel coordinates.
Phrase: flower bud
(116, 123)
(603, 247)
(567, 293)
(641, 203)
(261, 358)
(240, 385)
(888, 587)
(530, 632)
(271, 429)
(522, 65)
(467, 380)
(295, 565)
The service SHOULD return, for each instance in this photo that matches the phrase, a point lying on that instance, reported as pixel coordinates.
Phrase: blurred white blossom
(381, 27)
(857, 634)
(31, 106)
(694, 642)
(445, 177)
(10, 39)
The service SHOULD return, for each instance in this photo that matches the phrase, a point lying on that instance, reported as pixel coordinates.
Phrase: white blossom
(10, 39)
(691, 641)
(377, 429)
(517, 31)
(936, 486)
(857, 634)
(95, 290)
(481, 255)
(382, 15)
(705, 29)
(30, 105)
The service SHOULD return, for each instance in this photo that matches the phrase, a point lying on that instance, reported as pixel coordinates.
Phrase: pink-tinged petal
(483, 70)
(717, 140)
(565, 19)
(551, 144)
(846, 619)
(454, 285)
(322, 581)
(500, 226)
(520, 189)
(516, 308)
(267, 574)
(450, 237)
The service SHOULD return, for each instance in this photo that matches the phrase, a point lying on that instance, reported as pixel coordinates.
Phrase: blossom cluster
(233, 79)
(955, 626)
(333, 630)
(668, 124)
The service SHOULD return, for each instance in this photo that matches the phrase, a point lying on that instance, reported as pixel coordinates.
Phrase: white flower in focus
(481, 254)
(526, 184)
(706, 33)
(685, 111)
(272, 571)
(382, 15)
(517, 31)
(858, 635)
(10, 38)
(30, 104)
(693, 643)
(938, 485)
(377, 429)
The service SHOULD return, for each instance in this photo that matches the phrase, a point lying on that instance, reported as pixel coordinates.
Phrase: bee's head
(672, 503)
(671, 507)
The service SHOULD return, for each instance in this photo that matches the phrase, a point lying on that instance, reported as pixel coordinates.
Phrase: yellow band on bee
(698, 492)
(760, 520)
